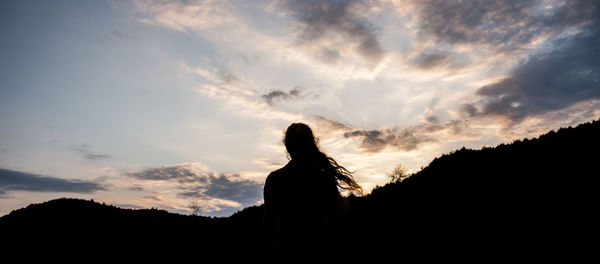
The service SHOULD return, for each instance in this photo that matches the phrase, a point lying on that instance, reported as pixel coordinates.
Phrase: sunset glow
(143, 103)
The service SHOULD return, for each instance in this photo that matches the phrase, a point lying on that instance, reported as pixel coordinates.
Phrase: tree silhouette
(398, 174)
(195, 207)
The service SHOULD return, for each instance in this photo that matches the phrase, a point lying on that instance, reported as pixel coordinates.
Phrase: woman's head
(301, 144)
(300, 141)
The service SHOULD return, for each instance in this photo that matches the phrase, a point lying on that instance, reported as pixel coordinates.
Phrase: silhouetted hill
(534, 198)
(86, 227)
(531, 197)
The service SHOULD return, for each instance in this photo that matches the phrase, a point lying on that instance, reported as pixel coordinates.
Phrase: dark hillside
(509, 200)
(66, 229)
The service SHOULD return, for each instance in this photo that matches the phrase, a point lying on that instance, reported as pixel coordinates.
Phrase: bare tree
(195, 207)
(398, 174)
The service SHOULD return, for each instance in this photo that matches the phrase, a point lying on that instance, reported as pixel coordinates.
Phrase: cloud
(395, 139)
(329, 125)
(198, 182)
(228, 187)
(120, 35)
(128, 206)
(504, 24)
(181, 173)
(377, 140)
(276, 96)
(426, 61)
(433, 56)
(92, 156)
(186, 16)
(136, 188)
(237, 92)
(334, 26)
(559, 39)
(222, 81)
(555, 80)
(21, 181)
(406, 139)
(228, 77)
(472, 21)
(86, 151)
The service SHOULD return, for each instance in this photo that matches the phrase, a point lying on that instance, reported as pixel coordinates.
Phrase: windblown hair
(301, 144)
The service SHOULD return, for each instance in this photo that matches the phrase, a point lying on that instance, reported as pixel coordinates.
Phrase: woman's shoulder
(277, 175)
(281, 175)
(275, 181)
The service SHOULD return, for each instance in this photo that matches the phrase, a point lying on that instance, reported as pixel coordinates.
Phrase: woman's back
(312, 200)
(303, 207)
(304, 218)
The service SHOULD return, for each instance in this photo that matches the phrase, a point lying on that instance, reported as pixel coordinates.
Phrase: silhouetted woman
(303, 206)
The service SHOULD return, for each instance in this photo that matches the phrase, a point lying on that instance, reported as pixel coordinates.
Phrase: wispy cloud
(240, 93)
(136, 188)
(428, 61)
(186, 16)
(328, 125)
(21, 181)
(86, 151)
(333, 29)
(92, 156)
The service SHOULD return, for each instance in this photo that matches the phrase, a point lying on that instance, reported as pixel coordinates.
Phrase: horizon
(159, 104)
(390, 180)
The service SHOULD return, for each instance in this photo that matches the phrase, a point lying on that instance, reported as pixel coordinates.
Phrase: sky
(142, 104)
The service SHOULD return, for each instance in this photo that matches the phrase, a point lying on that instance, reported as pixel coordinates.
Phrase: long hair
(301, 144)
